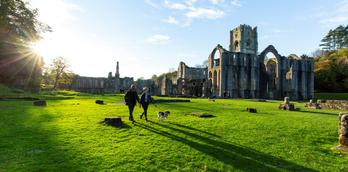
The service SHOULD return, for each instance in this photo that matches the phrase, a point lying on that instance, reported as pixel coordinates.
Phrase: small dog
(163, 115)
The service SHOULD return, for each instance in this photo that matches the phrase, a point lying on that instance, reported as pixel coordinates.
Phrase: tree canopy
(19, 27)
(331, 70)
(335, 39)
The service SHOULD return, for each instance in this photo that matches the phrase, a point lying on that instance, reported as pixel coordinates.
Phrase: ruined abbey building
(239, 72)
(111, 84)
(242, 73)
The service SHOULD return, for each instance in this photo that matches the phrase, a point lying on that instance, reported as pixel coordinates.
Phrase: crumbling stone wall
(241, 73)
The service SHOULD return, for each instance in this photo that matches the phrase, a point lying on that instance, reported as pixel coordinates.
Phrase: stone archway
(270, 85)
(212, 59)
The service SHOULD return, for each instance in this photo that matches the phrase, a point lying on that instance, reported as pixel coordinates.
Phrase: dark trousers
(131, 108)
(145, 106)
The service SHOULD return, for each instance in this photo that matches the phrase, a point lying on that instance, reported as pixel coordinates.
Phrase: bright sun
(39, 48)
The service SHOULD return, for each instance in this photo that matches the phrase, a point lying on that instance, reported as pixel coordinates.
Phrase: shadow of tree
(239, 157)
(28, 145)
(194, 129)
(321, 113)
(187, 106)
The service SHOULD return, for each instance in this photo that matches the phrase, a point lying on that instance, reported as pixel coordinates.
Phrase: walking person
(131, 98)
(145, 100)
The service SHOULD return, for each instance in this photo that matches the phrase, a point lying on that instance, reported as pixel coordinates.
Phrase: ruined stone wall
(186, 72)
(189, 81)
(89, 84)
(294, 76)
(149, 83)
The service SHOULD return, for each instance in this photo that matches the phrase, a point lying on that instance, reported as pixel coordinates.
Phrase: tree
(19, 26)
(57, 75)
(59, 68)
(331, 70)
(20, 22)
(335, 39)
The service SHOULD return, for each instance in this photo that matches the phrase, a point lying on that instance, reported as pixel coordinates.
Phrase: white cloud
(175, 6)
(188, 11)
(205, 13)
(339, 15)
(158, 39)
(152, 4)
(236, 3)
(216, 1)
(190, 2)
(171, 20)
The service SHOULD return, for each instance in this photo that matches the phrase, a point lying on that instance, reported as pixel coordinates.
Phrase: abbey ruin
(239, 72)
(102, 85)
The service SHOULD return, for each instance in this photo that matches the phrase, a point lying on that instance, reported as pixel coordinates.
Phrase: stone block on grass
(251, 110)
(40, 103)
(100, 102)
(113, 121)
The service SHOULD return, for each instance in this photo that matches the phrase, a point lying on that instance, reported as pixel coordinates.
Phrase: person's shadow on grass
(239, 157)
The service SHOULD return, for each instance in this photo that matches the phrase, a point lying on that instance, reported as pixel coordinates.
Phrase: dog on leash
(163, 115)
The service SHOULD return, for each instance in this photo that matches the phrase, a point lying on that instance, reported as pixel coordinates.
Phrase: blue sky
(151, 36)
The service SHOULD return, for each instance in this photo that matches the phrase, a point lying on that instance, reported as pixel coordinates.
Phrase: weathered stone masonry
(241, 73)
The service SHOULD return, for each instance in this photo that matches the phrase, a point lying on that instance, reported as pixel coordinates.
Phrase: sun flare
(39, 48)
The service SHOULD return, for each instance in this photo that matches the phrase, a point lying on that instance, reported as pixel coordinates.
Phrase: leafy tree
(57, 75)
(335, 39)
(331, 70)
(19, 26)
(58, 68)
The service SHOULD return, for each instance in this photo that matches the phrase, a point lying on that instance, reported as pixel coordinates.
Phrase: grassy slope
(332, 96)
(66, 136)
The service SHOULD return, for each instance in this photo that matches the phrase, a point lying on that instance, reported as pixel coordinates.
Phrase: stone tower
(243, 39)
(117, 74)
(117, 78)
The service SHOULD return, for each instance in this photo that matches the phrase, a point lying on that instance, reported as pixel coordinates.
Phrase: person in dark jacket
(131, 98)
(145, 100)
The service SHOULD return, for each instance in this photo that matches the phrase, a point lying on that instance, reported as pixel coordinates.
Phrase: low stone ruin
(333, 104)
(286, 105)
(113, 121)
(40, 103)
(343, 129)
(251, 110)
(313, 104)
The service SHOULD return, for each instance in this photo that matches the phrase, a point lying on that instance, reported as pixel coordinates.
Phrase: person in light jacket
(145, 100)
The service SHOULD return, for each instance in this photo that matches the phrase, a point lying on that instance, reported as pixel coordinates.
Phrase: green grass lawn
(66, 136)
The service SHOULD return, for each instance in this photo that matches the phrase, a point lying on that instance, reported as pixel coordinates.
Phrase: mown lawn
(66, 136)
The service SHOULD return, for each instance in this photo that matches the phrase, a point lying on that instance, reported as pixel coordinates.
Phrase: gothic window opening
(236, 44)
(248, 43)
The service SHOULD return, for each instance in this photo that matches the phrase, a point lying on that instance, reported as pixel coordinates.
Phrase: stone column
(294, 78)
(311, 80)
(254, 85)
(234, 75)
(343, 129)
(222, 76)
(242, 76)
(304, 80)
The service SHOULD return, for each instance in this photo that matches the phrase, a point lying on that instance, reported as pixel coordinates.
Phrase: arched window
(236, 44)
